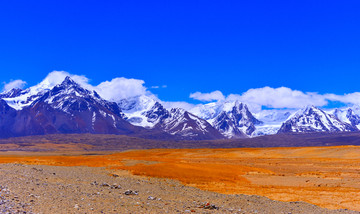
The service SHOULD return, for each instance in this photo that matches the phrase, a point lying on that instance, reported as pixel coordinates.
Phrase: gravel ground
(58, 189)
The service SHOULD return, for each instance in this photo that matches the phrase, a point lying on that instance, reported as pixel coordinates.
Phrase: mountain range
(70, 108)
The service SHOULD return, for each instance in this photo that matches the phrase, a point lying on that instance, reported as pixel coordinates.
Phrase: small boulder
(105, 185)
(130, 192)
(115, 186)
(209, 206)
(151, 198)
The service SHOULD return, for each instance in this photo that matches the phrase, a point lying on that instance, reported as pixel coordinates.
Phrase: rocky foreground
(59, 189)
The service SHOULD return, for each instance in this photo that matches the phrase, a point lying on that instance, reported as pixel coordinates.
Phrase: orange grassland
(325, 176)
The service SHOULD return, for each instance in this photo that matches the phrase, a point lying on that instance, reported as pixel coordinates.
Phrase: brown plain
(325, 176)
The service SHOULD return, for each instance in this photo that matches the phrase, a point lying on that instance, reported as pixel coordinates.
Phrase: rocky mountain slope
(69, 108)
(66, 108)
(347, 115)
(150, 113)
(312, 119)
(232, 119)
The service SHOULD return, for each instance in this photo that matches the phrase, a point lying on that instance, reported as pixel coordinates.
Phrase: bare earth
(59, 189)
(42, 183)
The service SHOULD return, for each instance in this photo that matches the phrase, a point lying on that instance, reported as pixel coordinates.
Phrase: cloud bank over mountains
(121, 88)
(212, 96)
(113, 90)
(14, 84)
(351, 98)
(282, 97)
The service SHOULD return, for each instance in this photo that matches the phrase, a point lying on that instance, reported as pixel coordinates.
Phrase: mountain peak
(309, 108)
(241, 106)
(232, 118)
(69, 81)
(70, 87)
(66, 93)
(238, 103)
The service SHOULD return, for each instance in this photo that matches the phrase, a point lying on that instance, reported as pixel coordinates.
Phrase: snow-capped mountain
(232, 118)
(274, 116)
(66, 108)
(69, 108)
(347, 115)
(15, 92)
(142, 110)
(312, 119)
(183, 123)
(90, 112)
(19, 99)
(150, 113)
(272, 121)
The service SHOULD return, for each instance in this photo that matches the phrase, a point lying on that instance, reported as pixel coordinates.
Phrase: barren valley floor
(328, 177)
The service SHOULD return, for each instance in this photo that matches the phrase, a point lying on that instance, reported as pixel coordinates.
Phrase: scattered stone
(115, 186)
(151, 198)
(36, 169)
(105, 185)
(130, 192)
(209, 206)
(68, 192)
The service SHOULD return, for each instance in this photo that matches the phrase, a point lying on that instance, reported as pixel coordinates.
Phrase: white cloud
(183, 105)
(156, 86)
(120, 88)
(213, 96)
(281, 97)
(14, 84)
(57, 77)
(351, 98)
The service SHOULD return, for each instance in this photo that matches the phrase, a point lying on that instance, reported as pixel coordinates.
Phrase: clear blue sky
(189, 46)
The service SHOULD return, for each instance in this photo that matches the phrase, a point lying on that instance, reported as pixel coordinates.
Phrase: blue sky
(189, 46)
